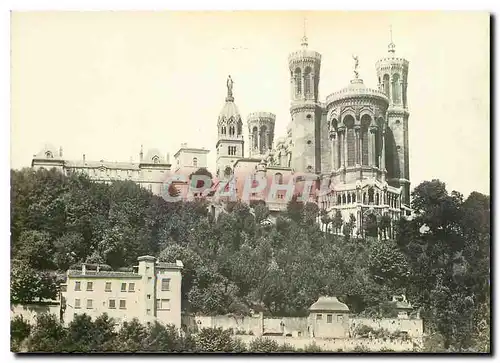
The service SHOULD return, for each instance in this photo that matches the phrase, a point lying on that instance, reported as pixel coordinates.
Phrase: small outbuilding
(329, 318)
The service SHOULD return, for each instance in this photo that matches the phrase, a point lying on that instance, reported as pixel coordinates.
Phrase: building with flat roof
(150, 291)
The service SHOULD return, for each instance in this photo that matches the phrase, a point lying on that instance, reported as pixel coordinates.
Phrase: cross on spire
(392, 46)
(304, 38)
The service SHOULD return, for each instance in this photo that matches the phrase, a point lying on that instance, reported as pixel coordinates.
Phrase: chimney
(84, 269)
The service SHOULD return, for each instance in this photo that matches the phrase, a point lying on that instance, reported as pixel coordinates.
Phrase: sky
(104, 83)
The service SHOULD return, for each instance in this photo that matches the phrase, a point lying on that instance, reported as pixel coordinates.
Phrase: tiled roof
(166, 265)
(98, 164)
(327, 303)
(122, 274)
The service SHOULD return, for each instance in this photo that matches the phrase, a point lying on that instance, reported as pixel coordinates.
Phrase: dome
(356, 89)
(329, 303)
(229, 111)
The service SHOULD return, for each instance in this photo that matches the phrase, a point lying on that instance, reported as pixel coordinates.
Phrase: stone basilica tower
(305, 109)
(230, 141)
(392, 73)
(261, 133)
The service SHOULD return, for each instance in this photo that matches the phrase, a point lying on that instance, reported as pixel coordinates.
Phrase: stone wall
(30, 311)
(414, 327)
(297, 326)
(343, 345)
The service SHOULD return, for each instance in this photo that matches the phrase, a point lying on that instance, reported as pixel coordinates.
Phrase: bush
(286, 348)
(312, 348)
(19, 331)
(217, 340)
(263, 345)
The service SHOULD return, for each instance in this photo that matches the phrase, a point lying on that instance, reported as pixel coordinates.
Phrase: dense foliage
(439, 259)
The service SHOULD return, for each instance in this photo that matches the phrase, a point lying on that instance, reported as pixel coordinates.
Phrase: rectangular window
(89, 303)
(149, 296)
(108, 287)
(131, 287)
(77, 304)
(329, 318)
(163, 304)
(112, 304)
(124, 286)
(123, 304)
(319, 317)
(90, 286)
(77, 285)
(165, 284)
(149, 279)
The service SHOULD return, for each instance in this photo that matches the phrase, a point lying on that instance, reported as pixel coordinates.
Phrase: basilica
(355, 141)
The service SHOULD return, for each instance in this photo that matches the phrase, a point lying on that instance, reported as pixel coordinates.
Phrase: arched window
(365, 134)
(156, 159)
(376, 199)
(263, 138)
(278, 178)
(364, 198)
(298, 81)
(354, 197)
(370, 195)
(223, 130)
(339, 199)
(255, 137)
(396, 89)
(49, 155)
(307, 81)
(231, 130)
(343, 199)
(386, 84)
(239, 128)
(195, 162)
(227, 171)
(349, 198)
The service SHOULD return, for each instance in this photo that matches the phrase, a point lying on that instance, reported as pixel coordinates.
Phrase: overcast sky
(103, 83)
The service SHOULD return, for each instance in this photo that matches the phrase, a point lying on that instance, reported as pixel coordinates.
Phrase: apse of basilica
(355, 141)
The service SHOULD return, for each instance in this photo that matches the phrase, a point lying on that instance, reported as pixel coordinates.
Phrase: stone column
(372, 153)
(341, 147)
(357, 149)
(333, 136)
(382, 167)
(346, 156)
(390, 90)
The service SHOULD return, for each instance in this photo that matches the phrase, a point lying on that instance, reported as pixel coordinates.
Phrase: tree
(132, 337)
(29, 285)
(48, 335)
(371, 225)
(217, 340)
(337, 221)
(36, 249)
(388, 265)
(385, 225)
(325, 219)
(295, 210)
(19, 330)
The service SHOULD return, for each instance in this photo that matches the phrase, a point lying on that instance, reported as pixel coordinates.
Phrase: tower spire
(392, 46)
(304, 38)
